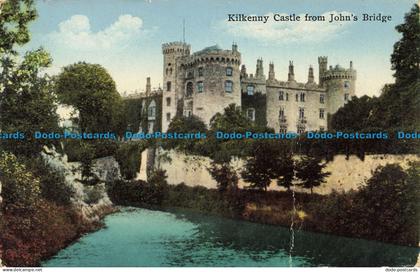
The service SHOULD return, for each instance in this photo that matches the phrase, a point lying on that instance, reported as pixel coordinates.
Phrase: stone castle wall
(345, 174)
(311, 107)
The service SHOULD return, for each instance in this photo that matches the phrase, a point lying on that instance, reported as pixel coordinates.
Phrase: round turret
(340, 84)
(211, 81)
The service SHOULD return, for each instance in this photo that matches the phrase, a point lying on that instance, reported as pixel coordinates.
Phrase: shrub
(19, 186)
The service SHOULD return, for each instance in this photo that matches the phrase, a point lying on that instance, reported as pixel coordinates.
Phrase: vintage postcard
(209, 133)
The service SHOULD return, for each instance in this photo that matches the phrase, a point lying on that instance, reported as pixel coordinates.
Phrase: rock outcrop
(91, 201)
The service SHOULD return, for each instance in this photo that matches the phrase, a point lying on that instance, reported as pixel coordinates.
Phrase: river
(141, 237)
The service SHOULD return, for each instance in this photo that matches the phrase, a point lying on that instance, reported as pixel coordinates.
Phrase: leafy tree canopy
(91, 90)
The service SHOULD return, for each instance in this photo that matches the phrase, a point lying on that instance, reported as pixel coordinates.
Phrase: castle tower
(291, 75)
(172, 55)
(311, 75)
(323, 63)
(259, 73)
(340, 85)
(271, 74)
(214, 81)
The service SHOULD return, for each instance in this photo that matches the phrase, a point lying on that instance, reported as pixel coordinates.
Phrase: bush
(140, 192)
(19, 186)
(52, 183)
(93, 194)
(29, 236)
(385, 209)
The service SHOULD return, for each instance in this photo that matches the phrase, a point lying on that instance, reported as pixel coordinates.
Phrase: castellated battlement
(339, 72)
(176, 47)
(212, 55)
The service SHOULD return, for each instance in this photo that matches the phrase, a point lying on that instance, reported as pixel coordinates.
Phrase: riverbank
(29, 236)
(385, 209)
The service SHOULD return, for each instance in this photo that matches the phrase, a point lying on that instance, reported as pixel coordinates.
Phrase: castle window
(281, 113)
(168, 86)
(302, 97)
(228, 86)
(168, 117)
(297, 97)
(151, 110)
(229, 71)
(200, 86)
(321, 98)
(287, 96)
(168, 101)
(250, 89)
(346, 84)
(283, 129)
(250, 113)
(190, 89)
(301, 113)
(321, 114)
(300, 130)
(346, 97)
(281, 95)
(200, 71)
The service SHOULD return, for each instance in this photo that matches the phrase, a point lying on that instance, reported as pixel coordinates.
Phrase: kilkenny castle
(205, 82)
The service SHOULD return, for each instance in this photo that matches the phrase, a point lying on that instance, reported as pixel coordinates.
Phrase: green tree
(355, 115)
(15, 16)
(91, 91)
(270, 159)
(405, 59)
(26, 99)
(285, 170)
(27, 102)
(400, 102)
(183, 124)
(389, 204)
(225, 176)
(309, 172)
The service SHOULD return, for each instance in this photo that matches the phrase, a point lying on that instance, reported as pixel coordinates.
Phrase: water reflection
(139, 237)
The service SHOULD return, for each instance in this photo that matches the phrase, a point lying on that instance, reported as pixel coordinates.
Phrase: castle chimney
(291, 75)
(322, 64)
(311, 74)
(234, 47)
(351, 64)
(243, 71)
(271, 74)
(148, 86)
(259, 73)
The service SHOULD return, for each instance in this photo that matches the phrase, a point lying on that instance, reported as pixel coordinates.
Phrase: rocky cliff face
(91, 201)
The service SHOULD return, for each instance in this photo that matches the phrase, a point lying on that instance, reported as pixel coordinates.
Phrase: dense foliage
(92, 92)
(385, 208)
(398, 106)
(128, 156)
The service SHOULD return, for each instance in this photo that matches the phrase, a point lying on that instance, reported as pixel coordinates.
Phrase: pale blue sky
(125, 36)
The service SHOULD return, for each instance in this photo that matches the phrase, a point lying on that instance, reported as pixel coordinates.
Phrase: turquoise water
(141, 237)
